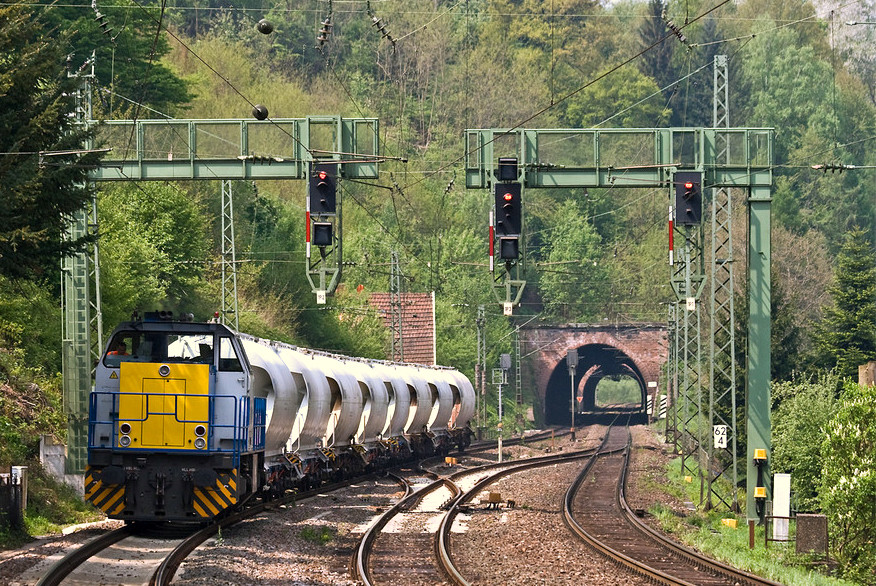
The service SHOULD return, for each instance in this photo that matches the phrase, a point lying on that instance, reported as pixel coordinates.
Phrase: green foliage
(153, 251)
(320, 535)
(30, 323)
(847, 335)
(43, 172)
(797, 428)
(848, 482)
(127, 56)
(705, 532)
(239, 61)
(573, 271)
(52, 504)
(618, 390)
(620, 100)
(30, 405)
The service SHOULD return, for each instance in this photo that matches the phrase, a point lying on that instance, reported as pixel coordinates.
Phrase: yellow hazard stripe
(109, 499)
(208, 502)
(204, 505)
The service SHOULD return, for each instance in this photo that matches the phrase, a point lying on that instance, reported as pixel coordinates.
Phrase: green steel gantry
(177, 150)
(649, 157)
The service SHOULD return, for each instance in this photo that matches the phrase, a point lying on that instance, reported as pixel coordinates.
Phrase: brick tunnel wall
(645, 344)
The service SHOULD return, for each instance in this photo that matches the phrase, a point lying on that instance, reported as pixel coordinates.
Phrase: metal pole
(500, 420)
(230, 315)
(757, 405)
(480, 370)
(572, 388)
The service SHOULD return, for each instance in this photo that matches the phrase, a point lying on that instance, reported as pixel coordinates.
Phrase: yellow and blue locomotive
(188, 420)
(174, 432)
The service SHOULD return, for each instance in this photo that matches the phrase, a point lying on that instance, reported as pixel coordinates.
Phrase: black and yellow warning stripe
(109, 498)
(210, 501)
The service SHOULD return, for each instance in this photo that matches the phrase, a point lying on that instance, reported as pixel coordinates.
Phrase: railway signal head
(509, 247)
(506, 170)
(322, 189)
(509, 212)
(688, 198)
(322, 234)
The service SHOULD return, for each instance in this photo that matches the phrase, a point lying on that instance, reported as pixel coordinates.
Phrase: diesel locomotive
(188, 420)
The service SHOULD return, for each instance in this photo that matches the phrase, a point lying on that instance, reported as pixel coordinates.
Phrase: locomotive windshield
(134, 346)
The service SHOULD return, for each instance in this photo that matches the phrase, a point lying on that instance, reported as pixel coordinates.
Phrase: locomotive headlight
(125, 441)
(125, 428)
(200, 431)
(163, 370)
(200, 443)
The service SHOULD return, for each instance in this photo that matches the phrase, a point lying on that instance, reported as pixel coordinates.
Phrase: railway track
(604, 521)
(116, 553)
(426, 547)
(67, 564)
(113, 554)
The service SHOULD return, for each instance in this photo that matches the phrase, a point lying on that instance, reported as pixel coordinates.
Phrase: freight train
(189, 420)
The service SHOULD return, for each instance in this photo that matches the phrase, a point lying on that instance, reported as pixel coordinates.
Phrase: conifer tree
(42, 167)
(847, 335)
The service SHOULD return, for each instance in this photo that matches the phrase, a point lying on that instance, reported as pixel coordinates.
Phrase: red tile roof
(417, 332)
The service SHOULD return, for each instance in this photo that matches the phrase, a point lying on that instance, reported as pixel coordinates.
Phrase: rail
(63, 567)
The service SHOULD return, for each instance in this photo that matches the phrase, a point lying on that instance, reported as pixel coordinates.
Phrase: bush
(796, 429)
(848, 482)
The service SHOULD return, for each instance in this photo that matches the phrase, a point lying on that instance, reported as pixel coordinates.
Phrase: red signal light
(688, 185)
(508, 197)
(322, 175)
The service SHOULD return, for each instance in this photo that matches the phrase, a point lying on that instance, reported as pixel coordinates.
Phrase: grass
(704, 531)
(320, 535)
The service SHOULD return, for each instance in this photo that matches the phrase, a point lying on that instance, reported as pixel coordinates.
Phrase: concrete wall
(53, 456)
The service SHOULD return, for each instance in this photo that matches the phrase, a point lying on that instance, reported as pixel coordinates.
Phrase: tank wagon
(188, 420)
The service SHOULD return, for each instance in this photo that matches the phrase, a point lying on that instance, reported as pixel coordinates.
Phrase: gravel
(311, 544)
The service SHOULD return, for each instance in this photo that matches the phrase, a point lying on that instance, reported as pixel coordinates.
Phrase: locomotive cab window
(121, 349)
(229, 361)
(197, 348)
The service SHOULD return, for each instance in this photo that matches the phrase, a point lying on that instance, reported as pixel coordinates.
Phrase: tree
(154, 247)
(795, 425)
(127, 55)
(658, 62)
(42, 168)
(848, 482)
(572, 283)
(847, 335)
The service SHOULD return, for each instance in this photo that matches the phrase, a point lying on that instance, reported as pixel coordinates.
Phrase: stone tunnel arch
(595, 362)
(638, 350)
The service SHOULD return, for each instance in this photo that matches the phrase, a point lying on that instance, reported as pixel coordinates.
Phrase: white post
(781, 505)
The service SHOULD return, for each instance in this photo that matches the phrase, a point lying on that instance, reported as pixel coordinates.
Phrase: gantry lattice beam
(166, 150)
(639, 157)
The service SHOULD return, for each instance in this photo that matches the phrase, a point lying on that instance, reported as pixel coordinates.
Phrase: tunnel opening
(617, 391)
(606, 382)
